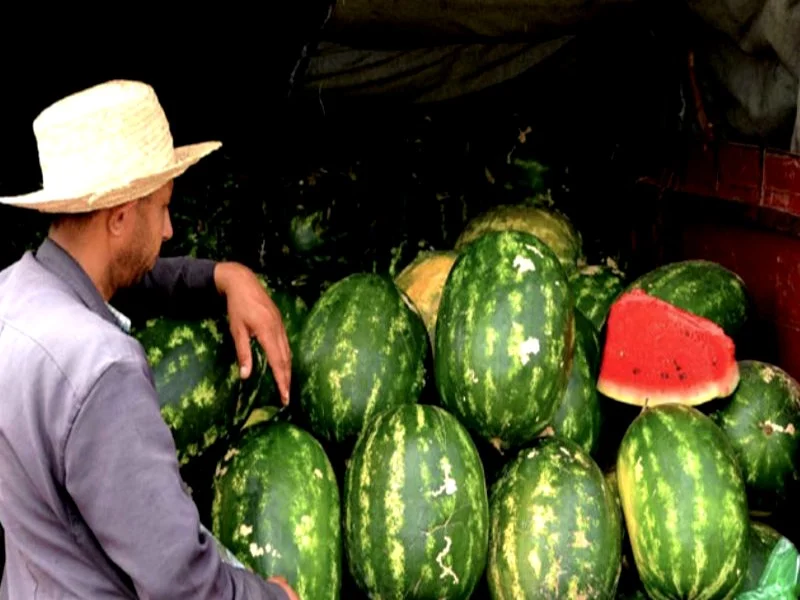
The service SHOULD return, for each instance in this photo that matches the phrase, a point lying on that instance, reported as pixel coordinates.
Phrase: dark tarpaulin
(747, 52)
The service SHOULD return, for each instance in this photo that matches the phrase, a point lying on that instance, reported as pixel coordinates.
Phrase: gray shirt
(91, 498)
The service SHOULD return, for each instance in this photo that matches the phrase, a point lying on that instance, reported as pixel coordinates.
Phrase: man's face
(151, 227)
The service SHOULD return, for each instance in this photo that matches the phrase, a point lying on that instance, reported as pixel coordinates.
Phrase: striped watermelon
(362, 350)
(762, 420)
(504, 337)
(556, 529)
(416, 508)
(277, 509)
(684, 503)
(702, 287)
(423, 280)
(579, 416)
(762, 541)
(550, 226)
(202, 398)
(595, 287)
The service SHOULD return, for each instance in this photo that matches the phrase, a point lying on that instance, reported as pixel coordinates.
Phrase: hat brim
(53, 201)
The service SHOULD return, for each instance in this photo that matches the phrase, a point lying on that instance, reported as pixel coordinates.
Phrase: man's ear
(120, 219)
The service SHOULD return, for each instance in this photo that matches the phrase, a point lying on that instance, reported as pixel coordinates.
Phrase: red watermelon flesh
(656, 353)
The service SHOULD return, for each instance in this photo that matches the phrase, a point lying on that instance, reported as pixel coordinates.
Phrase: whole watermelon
(556, 529)
(277, 509)
(762, 420)
(684, 503)
(504, 337)
(416, 507)
(702, 287)
(579, 416)
(202, 398)
(362, 350)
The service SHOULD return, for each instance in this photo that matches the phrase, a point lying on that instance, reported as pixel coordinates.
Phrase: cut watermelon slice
(656, 353)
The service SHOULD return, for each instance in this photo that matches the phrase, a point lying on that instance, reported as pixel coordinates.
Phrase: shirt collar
(56, 260)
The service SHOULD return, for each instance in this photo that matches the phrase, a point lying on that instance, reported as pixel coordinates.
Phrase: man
(91, 498)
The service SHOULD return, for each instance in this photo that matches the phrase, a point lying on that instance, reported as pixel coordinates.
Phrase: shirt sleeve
(178, 286)
(122, 472)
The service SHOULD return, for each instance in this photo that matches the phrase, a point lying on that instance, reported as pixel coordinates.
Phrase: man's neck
(90, 260)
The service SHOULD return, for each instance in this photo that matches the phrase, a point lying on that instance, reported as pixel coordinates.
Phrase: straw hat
(105, 146)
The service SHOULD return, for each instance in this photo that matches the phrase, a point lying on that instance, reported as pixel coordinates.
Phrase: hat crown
(97, 138)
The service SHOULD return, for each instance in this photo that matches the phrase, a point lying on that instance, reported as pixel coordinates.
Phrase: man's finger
(241, 338)
(286, 360)
(276, 347)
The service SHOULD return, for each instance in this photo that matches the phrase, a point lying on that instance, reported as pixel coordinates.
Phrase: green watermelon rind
(579, 416)
(416, 506)
(203, 403)
(362, 349)
(762, 420)
(556, 526)
(277, 508)
(594, 289)
(504, 337)
(684, 504)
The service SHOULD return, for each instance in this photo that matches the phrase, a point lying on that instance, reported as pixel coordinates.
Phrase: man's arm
(176, 286)
(190, 288)
(122, 472)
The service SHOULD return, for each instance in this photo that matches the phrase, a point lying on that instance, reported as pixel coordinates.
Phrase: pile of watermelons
(446, 437)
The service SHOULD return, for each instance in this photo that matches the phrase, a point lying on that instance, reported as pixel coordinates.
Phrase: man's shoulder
(49, 324)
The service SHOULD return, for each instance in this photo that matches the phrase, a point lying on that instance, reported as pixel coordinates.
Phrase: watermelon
(196, 372)
(556, 529)
(416, 508)
(550, 226)
(423, 280)
(362, 349)
(306, 232)
(702, 287)
(685, 504)
(504, 337)
(762, 420)
(578, 416)
(762, 541)
(594, 288)
(657, 353)
(277, 509)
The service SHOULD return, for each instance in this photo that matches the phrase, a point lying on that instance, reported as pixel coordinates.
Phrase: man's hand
(280, 581)
(252, 313)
